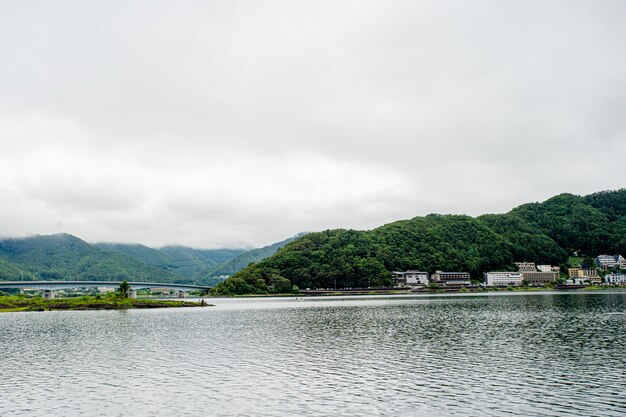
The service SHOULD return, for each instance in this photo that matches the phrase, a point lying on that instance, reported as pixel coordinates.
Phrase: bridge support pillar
(48, 294)
(132, 293)
(182, 294)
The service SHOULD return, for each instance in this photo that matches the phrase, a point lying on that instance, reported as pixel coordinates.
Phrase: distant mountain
(238, 263)
(191, 262)
(141, 253)
(12, 272)
(63, 256)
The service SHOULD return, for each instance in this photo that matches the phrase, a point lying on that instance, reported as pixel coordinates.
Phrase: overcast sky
(234, 123)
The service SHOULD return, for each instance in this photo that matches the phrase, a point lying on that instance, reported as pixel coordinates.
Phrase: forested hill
(63, 256)
(546, 232)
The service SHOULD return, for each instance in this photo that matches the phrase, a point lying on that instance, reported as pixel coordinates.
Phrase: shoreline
(12, 304)
(347, 293)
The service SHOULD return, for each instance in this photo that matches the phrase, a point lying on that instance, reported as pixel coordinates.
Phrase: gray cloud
(232, 123)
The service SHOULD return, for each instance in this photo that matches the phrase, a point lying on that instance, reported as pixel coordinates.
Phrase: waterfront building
(416, 277)
(410, 277)
(539, 277)
(503, 279)
(584, 274)
(451, 278)
(399, 279)
(535, 276)
(615, 279)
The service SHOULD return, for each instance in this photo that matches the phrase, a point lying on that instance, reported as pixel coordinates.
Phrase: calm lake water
(531, 354)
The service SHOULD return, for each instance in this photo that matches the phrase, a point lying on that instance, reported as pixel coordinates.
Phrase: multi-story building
(526, 266)
(416, 277)
(410, 278)
(503, 279)
(615, 279)
(533, 276)
(451, 278)
(399, 279)
(584, 274)
(610, 261)
(539, 277)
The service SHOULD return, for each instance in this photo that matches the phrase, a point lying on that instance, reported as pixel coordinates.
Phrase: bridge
(49, 287)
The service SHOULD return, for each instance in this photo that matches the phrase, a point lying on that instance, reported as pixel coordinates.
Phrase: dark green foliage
(577, 225)
(528, 243)
(545, 233)
(123, 290)
(611, 203)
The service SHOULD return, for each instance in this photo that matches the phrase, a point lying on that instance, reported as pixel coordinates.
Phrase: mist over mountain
(65, 257)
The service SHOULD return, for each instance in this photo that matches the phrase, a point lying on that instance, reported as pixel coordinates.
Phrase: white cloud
(220, 123)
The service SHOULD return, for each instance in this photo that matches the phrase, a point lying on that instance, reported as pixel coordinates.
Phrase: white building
(610, 261)
(416, 277)
(615, 278)
(548, 268)
(410, 277)
(503, 279)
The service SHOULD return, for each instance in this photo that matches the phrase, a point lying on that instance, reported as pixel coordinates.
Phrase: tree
(123, 289)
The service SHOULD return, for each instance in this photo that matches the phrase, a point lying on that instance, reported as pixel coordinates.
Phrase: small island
(111, 301)
(20, 303)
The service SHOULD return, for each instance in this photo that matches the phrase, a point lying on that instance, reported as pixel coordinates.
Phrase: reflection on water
(502, 354)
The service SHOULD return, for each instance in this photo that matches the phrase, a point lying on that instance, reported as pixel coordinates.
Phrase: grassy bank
(21, 303)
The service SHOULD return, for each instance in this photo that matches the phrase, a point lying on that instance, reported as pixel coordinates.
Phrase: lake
(499, 354)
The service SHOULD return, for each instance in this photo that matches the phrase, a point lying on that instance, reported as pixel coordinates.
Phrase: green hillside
(64, 256)
(244, 259)
(192, 263)
(545, 232)
(12, 272)
(141, 253)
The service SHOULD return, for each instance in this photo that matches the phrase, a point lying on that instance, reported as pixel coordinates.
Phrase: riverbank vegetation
(109, 302)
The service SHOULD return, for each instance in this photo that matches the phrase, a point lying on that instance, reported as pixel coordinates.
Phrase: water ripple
(517, 355)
